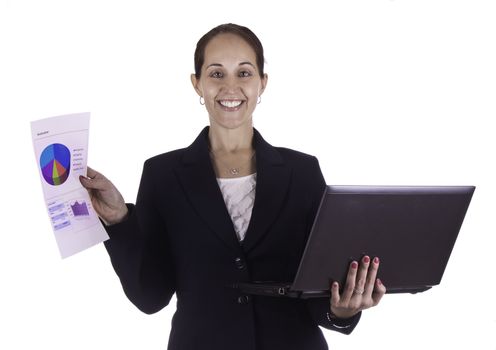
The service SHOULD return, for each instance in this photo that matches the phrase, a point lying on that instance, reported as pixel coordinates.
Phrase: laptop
(412, 229)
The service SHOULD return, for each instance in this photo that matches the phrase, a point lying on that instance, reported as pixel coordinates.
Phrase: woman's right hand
(105, 197)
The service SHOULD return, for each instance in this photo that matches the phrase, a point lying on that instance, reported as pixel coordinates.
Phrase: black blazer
(179, 238)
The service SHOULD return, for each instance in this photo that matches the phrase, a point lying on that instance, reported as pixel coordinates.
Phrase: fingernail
(335, 284)
(366, 259)
(376, 260)
(379, 282)
(354, 264)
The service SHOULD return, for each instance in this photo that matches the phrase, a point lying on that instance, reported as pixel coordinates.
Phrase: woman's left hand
(362, 290)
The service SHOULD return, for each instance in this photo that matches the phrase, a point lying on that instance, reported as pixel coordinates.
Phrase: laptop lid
(411, 229)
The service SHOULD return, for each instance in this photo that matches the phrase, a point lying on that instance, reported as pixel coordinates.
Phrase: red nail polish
(354, 264)
(366, 259)
(376, 260)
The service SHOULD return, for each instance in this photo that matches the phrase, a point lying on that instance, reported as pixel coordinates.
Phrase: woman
(229, 208)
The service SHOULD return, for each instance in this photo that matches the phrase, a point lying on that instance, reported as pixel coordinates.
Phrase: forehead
(228, 47)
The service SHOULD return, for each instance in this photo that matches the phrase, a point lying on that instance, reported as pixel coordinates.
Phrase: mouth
(230, 105)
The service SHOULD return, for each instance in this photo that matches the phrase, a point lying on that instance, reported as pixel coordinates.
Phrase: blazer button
(243, 299)
(239, 263)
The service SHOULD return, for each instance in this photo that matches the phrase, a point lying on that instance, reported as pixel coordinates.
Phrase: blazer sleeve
(138, 251)
(320, 308)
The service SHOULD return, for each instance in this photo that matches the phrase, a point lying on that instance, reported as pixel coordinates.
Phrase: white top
(239, 196)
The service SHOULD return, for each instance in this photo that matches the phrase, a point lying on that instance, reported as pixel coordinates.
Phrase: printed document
(61, 151)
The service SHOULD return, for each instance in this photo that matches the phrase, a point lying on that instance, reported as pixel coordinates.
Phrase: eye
(216, 74)
(245, 74)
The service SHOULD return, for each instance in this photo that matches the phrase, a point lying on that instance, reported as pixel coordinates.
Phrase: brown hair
(243, 32)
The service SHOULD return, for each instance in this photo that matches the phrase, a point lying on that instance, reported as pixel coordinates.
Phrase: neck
(230, 140)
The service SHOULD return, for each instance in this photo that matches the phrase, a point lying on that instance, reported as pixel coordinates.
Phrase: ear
(196, 84)
(264, 81)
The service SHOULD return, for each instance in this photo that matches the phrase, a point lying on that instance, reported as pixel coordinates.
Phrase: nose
(231, 84)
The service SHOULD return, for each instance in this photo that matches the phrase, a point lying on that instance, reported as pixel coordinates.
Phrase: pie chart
(55, 162)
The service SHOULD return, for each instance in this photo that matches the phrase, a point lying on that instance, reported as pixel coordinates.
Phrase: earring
(202, 100)
(259, 100)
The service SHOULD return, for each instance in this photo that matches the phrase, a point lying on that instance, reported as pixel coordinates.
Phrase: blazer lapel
(199, 183)
(273, 179)
(198, 179)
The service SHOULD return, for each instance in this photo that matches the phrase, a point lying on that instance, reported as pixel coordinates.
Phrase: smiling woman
(229, 208)
(230, 81)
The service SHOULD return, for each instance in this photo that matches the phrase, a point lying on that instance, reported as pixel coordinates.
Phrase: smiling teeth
(230, 104)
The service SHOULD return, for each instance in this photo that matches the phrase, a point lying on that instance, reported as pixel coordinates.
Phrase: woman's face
(230, 81)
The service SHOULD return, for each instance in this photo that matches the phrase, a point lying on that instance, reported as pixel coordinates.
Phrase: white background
(382, 92)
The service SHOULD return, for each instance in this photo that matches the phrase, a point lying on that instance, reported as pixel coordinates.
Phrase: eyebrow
(220, 65)
(242, 63)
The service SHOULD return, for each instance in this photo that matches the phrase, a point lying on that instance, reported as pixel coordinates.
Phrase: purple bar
(62, 225)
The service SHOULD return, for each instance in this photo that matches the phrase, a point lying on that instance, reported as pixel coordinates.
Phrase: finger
(379, 291)
(350, 282)
(335, 297)
(86, 180)
(371, 276)
(362, 275)
(95, 183)
(92, 173)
